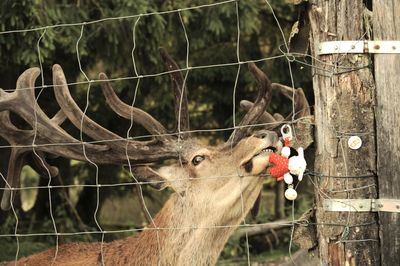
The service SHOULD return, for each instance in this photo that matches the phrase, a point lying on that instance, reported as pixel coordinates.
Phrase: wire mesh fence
(89, 84)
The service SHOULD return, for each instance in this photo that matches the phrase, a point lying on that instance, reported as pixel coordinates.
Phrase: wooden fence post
(386, 26)
(344, 92)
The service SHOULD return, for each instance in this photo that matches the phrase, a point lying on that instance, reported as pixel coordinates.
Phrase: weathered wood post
(386, 26)
(344, 106)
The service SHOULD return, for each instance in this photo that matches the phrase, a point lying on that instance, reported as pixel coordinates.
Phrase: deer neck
(183, 238)
(195, 241)
(188, 234)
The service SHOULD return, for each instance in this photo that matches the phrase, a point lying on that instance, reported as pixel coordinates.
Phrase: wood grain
(344, 105)
(386, 25)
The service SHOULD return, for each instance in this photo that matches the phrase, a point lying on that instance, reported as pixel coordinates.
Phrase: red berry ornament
(284, 167)
(280, 166)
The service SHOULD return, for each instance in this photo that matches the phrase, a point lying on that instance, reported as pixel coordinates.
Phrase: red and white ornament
(285, 166)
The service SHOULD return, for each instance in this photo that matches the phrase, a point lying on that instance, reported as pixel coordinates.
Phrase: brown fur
(194, 224)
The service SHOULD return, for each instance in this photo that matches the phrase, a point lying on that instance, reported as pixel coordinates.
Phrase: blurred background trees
(107, 47)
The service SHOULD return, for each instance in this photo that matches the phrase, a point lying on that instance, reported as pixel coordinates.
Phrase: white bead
(285, 151)
(288, 178)
(290, 194)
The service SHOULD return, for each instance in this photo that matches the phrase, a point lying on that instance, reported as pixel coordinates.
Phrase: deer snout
(257, 161)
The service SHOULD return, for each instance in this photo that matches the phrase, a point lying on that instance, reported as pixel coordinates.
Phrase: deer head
(213, 174)
(215, 185)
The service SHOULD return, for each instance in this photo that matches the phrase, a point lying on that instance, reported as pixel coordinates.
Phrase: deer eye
(198, 159)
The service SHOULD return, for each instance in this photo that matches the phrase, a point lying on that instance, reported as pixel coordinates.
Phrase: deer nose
(266, 134)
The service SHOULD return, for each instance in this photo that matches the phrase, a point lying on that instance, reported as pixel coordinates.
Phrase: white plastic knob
(288, 178)
(285, 152)
(290, 194)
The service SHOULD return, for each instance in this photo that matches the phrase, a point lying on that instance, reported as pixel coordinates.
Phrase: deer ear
(166, 176)
(151, 177)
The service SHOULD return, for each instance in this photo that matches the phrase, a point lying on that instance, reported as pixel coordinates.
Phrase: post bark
(344, 105)
(386, 26)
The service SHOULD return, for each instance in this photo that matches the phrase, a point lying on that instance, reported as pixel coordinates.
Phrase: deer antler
(301, 110)
(180, 92)
(30, 147)
(129, 112)
(256, 109)
(46, 137)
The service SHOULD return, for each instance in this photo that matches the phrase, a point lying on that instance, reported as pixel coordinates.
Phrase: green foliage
(26, 247)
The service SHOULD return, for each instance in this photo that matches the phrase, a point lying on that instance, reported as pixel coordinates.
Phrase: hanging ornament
(290, 193)
(285, 165)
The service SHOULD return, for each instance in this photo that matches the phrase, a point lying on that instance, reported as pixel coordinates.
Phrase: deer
(214, 187)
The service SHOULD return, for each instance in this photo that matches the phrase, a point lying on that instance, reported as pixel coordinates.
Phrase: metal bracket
(361, 205)
(359, 47)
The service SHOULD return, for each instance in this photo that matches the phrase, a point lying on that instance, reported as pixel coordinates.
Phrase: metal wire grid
(290, 57)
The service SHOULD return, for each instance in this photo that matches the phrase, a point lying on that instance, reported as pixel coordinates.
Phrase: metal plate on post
(361, 205)
(359, 47)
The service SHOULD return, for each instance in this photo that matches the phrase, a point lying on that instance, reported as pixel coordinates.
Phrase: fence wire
(137, 76)
(334, 69)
